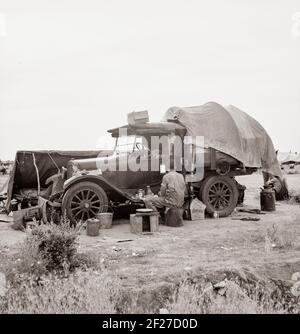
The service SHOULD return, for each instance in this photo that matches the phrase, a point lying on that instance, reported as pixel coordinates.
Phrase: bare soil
(209, 245)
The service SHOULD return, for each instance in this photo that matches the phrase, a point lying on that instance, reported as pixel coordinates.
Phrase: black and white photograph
(149, 159)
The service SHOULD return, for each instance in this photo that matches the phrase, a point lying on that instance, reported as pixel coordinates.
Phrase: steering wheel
(143, 149)
(139, 146)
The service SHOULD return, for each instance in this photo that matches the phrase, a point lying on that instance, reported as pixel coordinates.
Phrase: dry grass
(48, 275)
(90, 291)
(276, 238)
(191, 298)
(294, 199)
(86, 291)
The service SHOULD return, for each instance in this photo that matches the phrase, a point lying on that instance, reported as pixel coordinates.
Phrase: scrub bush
(48, 249)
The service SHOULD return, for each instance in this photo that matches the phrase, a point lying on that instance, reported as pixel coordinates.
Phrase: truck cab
(99, 184)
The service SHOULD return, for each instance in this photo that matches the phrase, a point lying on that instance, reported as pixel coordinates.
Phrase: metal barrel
(267, 200)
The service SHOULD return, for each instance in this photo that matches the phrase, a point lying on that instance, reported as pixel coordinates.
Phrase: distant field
(252, 182)
(3, 183)
(255, 181)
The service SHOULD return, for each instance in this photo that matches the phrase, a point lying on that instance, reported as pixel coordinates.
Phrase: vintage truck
(89, 190)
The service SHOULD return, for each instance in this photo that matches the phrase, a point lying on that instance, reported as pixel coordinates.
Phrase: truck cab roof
(143, 129)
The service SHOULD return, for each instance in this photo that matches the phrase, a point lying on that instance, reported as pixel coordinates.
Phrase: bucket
(174, 217)
(267, 199)
(18, 221)
(105, 219)
(92, 227)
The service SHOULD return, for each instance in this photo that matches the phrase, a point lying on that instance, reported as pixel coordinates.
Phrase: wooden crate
(138, 117)
(144, 222)
(21, 216)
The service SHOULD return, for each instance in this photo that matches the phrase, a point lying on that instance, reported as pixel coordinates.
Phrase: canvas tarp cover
(230, 131)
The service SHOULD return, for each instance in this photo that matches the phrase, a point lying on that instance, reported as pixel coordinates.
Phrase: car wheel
(83, 201)
(219, 194)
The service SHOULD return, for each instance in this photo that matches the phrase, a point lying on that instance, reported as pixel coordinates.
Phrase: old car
(89, 190)
(234, 144)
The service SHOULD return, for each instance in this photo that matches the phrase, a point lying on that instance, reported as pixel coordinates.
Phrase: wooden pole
(37, 174)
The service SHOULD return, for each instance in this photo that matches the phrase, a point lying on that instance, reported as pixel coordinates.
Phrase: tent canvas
(48, 163)
(230, 131)
(281, 156)
(291, 158)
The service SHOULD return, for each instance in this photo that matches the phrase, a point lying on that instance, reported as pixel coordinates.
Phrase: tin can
(92, 227)
(267, 199)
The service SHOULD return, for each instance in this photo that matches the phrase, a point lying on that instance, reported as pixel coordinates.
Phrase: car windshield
(129, 144)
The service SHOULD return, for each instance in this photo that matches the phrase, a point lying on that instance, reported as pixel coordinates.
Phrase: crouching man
(171, 193)
(280, 187)
(278, 184)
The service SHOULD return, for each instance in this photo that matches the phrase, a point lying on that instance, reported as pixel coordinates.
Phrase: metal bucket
(92, 227)
(105, 219)
(267, 200)
(174, 217)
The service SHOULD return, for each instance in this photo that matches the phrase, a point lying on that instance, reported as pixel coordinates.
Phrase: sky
(70, 70)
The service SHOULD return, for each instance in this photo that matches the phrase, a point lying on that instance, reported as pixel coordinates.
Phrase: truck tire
(83, 201)
(219, 194)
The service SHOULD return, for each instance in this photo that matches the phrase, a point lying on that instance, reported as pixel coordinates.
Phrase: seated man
(171, 192)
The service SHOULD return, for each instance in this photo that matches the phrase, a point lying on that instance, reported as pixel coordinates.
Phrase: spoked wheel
(219, 194)
(83, 201)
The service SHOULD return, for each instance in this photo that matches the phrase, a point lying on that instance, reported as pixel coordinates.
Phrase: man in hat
(171, 193)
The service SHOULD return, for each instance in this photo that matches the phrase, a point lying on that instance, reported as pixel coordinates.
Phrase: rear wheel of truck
(219, 194)
(83, 201)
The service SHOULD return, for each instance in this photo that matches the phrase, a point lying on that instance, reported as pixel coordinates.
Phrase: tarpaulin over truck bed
(48, 162)
(230, 131)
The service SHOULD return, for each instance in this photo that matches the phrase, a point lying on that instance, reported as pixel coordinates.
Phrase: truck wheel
(83, 201)
(220, 194)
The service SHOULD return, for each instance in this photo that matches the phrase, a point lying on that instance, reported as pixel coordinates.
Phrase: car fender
(98, 179)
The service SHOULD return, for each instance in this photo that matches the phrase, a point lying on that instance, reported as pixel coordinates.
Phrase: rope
(54, 162)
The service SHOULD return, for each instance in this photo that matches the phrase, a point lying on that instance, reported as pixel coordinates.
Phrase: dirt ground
(206, 245)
